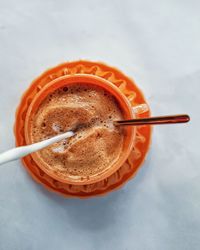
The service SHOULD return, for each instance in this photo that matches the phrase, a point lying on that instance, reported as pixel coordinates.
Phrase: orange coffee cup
(125, 107)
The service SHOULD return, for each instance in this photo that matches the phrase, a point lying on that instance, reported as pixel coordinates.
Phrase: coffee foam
(90, 112)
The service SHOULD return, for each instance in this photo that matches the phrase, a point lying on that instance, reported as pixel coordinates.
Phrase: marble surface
(158, 44)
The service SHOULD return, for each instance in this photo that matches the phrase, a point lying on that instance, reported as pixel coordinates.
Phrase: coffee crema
(90, 112)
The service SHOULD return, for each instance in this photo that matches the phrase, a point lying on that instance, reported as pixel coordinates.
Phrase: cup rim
(97, 81)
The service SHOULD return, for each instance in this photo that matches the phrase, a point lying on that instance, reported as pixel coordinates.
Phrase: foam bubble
(56, 127)
(59, 149)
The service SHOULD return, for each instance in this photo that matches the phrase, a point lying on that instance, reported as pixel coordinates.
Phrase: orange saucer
(143, 133)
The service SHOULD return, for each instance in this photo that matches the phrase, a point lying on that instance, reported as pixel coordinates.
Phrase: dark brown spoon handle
(157, 120)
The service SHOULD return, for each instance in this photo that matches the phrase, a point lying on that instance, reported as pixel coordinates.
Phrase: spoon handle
(22, 151)
(158, 120)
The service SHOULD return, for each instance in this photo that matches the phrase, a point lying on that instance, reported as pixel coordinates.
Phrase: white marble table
(157, 43)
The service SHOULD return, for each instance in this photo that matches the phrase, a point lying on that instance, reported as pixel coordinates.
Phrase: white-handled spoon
(16, 153)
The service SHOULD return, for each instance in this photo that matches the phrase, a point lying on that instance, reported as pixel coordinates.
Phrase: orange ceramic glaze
(127, 94)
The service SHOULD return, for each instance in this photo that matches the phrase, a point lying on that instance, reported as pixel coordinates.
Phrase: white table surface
(158, 44)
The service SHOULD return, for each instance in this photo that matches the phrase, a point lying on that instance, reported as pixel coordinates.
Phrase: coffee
(90, 112)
